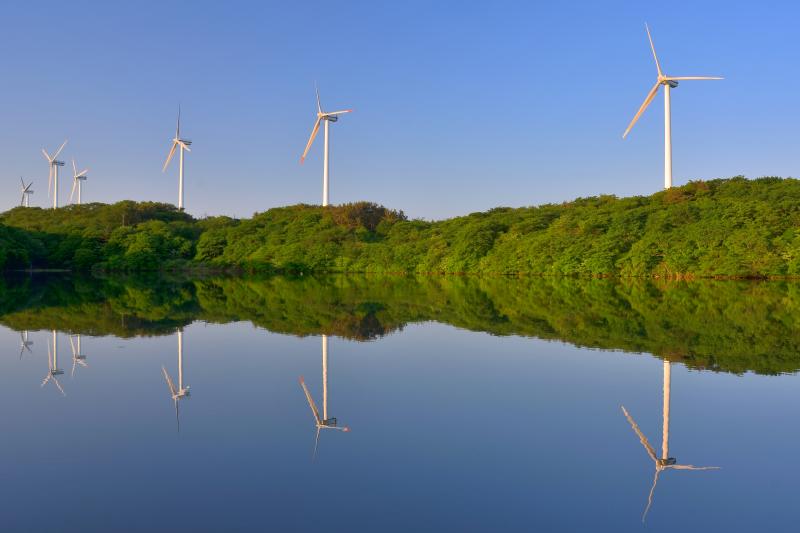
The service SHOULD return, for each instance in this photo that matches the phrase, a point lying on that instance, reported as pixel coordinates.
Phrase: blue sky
(459, 107)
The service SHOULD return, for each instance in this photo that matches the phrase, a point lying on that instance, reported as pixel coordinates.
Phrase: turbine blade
(46, 155)
(319, 105)
(71, 194)
(333, 113)
(184, 146)
(23, 183)
(311, 403)
(677, 78)
(74, 167)
(650, 96)
(168, 379)
(169, 157)
(50, 180)
(310, 140)
(653, 48)
(22, 201)
(61, 148)
(178, 124)
(650, 451)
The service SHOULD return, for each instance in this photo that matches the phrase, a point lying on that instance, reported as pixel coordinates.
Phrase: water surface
(472, 405)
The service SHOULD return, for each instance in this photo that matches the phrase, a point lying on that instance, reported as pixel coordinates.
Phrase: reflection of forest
(732, 326)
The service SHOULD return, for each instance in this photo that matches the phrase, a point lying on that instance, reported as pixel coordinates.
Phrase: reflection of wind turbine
(669, 82)
(665, 461)
(26, 193)
(77, 179)
(179, 392)
(52, 366)
(183, 144)
(78, 358)
(322, 422)
(333, 116)
(24, 343)
(52, 178)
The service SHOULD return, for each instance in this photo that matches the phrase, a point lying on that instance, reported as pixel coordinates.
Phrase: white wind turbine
(665, 462)
(183, 144)
(26, 193)
(52, 178)
(332, 116)
(78, 358)
(322, 422)
(669, 82)
(24, 343)
(179, 392)
(52, 366)
(77, 179)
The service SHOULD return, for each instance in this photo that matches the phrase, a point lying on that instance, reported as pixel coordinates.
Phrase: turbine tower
(322, 422)
(26, 193)
(664, 462)
(52, 178)
(669, 82)
(77, 179)
(183, 144)
(322, 116)
(179, 392)
(52, 366)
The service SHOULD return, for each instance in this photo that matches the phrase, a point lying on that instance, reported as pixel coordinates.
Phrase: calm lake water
(471, 404)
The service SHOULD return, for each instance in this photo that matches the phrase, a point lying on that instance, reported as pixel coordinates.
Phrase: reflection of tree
(732, 325)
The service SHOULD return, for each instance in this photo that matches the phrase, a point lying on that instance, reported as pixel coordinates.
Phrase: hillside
(719, 228)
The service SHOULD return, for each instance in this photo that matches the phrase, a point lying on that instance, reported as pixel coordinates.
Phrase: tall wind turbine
(179, 392)
(26, 193)
(52, 366)
(52, 177)
(322, 116)
(669, 82)
(77, 179)
(322, 422)
(183, 144)
(664, 462)
(78, 358)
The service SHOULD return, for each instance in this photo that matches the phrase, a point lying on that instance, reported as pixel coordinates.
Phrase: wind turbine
(24, 343)
(52, 178)
(669, 82)
(183, 144)
(52, 366)
(179, 392)
(322, 116)
(78, 358)
(26, 193)
(77, 178)
(664, 462)
(322, 422)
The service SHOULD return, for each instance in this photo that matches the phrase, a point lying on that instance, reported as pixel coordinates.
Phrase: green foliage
(719, 228)
(732, 326)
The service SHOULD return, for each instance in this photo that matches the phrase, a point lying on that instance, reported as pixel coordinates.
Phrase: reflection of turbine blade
(692, 467)
(650, 496)
(316, 444)
(311, 403)
(650, 451)
(177, 415)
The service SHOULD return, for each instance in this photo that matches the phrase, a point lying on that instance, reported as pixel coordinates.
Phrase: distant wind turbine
(322, 422)
(332, 116)
(77, 179)
(24, 343)
(664, 462)
(180, 392)
(78, 358)
(26, 193)
(669, 82)
(52, 178)
(183, 144)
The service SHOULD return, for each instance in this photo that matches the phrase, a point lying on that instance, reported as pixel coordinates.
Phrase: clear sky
(459, 106)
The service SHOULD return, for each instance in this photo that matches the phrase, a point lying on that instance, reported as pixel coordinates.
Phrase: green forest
(735, 228)
(731, 326)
